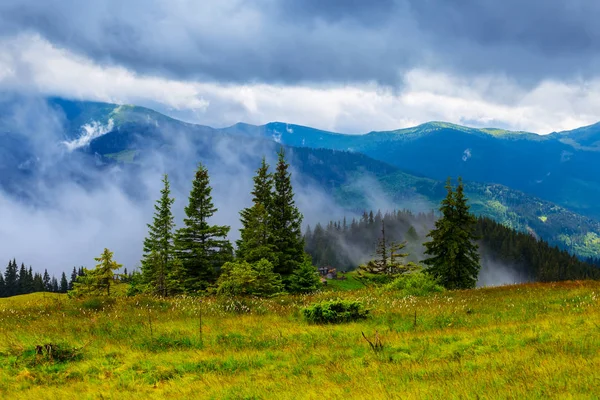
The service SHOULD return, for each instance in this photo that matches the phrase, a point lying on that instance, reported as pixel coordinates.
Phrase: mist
(65, 206)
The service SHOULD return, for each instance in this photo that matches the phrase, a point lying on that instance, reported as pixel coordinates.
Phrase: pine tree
(158, 245)
(38, 283)
(54, 285)
(286, 222)
(23, 281)
(99, 280)
(203, 248)
(47, 281)
(11, 279)
(256, 240)
(64, 284)
(104, 272)
(2, 286)
(454, 260)
(73, 278)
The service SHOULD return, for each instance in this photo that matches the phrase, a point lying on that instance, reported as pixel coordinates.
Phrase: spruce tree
(202, 248)
(73, 278)
(158, 245)
(306, 278)
(2, 286)
(286, 222)
(454, 260)
(54, 285)
(47, 281)
(23, 282)
(104, 272)
(38, 283)
(11, 279)
(255, 241)
(64, 284)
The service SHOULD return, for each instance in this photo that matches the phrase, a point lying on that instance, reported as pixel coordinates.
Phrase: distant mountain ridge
(559, 167)
(408, 166)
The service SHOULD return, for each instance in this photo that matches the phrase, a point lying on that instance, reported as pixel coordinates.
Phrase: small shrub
(335, 311)
(415, 284)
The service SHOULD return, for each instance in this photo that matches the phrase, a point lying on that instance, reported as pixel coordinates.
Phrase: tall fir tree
(73, 278)
(454, 259)
(201, 247)
(2, 286)
(64, 283)
(286, 222)
(256, 241)
(47, 281)
(11, 279)
(54, 285)
(159, 244)
(38, 283)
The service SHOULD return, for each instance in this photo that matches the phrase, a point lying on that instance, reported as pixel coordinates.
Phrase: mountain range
(547, 185)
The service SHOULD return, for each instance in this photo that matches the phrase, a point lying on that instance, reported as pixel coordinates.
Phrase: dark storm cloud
(289, 41)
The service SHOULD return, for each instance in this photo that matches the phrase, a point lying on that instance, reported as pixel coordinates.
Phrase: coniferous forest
(273, 256)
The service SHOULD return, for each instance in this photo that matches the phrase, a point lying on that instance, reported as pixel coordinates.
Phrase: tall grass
(524, 341)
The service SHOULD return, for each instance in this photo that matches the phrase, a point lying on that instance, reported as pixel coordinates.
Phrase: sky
(344, 65)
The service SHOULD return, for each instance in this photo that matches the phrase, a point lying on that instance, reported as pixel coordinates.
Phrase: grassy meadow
(523, 341)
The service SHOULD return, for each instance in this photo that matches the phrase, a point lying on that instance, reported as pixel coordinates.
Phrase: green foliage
(286, 221)
(241, 278)
(256, 241)
(335, 312)
(305, 279)
(136, 285)
(454, 256)
(417, 283)
(158, 245)
(202, 248)
(98, 281)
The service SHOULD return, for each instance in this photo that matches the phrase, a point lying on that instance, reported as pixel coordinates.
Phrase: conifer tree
(23, 281)
(54, 285)
(104, 272)
(158, 245)
(286, 221)
(73, 278)
(64, 284)
(305, 279)
(47, 281)
(11, 279)
(2, 286)
(202, 248)
(38, 283)
(454, 260)
(99, 280)
(255, 242)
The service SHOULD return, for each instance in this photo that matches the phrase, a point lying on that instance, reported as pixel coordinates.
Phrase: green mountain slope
(560, 167)
(400, 169)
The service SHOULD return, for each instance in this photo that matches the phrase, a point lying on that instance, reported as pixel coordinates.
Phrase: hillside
(134, 138)
(560, 168)
(539, 336)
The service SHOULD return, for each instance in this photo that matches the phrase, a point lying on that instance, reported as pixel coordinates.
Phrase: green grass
(350, 283)
(525, 341)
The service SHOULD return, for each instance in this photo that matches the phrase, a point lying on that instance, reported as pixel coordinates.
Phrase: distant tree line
(21, 280)
(344, 246)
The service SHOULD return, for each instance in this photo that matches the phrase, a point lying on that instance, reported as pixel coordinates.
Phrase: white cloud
(32, 64)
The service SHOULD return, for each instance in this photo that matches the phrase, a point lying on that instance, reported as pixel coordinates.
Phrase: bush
(243, 279)
(305, 279)
(415, 284)
(335, 311)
